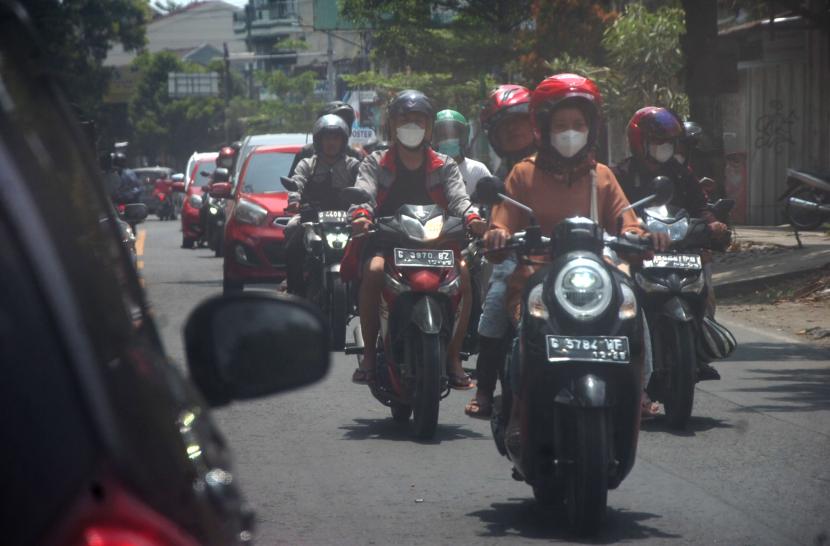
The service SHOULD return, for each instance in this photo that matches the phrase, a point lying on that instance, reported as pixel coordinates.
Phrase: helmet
(340, 109)
(118, 160)
(226, 157)
(551, 93)
(329, 123)
(410, 100)
(649, 124)
(504, 100)
(451, 124)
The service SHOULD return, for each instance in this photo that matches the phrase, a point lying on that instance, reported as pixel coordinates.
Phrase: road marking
(140, 237)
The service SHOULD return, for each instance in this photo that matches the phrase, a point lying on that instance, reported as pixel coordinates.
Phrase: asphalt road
(326, 464)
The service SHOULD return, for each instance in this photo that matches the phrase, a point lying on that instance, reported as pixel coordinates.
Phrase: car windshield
(264, 170)
(203, 166)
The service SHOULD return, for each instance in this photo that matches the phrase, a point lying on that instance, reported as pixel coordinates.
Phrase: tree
(293, 106)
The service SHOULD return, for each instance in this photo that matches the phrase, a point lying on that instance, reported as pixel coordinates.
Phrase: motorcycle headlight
(337, 240)
(213, 209)
(628, 308)
(195, 201)
(432, 229)
(678, 230)
(583, 289)
(536, 304)
(249, 213)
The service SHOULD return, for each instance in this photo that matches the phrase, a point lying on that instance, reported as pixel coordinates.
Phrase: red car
(191, 226)
(254, 240)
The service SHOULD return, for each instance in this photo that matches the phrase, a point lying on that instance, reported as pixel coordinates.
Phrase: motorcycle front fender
(677, 309)
(587, 391)
(427, 315)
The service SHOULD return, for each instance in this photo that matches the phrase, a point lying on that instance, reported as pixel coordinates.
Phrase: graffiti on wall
(774, 129)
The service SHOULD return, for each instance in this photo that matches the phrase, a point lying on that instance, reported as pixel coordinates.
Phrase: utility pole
(227, 76)
(249, 16)
(330, 76)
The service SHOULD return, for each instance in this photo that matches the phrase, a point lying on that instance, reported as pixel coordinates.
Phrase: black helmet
(341, 109)
(410, 100)
(119, 160)
(329, 123)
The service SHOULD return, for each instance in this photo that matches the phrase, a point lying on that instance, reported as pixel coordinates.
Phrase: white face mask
(569, 143)
(410, 135)
(661, 152)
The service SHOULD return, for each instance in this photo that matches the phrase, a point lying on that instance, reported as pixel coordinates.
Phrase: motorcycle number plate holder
(674, 261)
(426, 257)
(333, 216)
(612, 349)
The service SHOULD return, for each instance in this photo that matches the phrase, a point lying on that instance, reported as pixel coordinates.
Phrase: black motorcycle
(213, 214)
(807, 199)
(579, 351)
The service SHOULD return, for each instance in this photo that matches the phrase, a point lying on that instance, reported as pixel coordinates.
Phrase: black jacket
(636, 183)
(308, 151)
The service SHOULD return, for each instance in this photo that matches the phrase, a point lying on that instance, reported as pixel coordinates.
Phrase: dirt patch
(798, 306)
(749, 252)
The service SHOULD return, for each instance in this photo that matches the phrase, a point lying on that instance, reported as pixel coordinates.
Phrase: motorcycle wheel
(800, 219)
(229, 287)
(337, 314)
(218, 248)
(682, 374)
(430, 355)
(401, 412)
(588, 483)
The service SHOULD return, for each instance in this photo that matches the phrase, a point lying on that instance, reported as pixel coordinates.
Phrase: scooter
(576, 364)
(419, 309)
(807, 204)
(213, 214)
(163, 195)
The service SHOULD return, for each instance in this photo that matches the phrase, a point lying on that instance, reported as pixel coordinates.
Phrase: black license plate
(333, 216)
(405, 257)
(588, 349)
(674, 261)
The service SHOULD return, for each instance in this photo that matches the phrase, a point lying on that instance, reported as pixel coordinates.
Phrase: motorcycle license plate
(588, 349)
(333, 216)
(405, 257)
(673, 261)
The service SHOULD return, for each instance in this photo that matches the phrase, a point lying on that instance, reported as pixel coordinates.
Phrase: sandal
(363, 377)
(477, 409)
(649, 409)
(460, 382)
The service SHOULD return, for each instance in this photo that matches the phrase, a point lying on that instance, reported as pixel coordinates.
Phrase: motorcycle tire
(680, 351)
(218, 248)
(587, 498)
(801, 219)
(230, 287)
(400, 412)
(337, 314)
(431, 355)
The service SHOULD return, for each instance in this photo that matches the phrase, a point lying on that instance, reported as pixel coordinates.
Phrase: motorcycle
(213, 214)
(163, 196)
(325, 236)
(579, 348)
(673, 291)
(807, 204)
(419, 308)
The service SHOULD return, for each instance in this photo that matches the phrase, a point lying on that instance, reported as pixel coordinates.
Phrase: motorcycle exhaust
(808, 205)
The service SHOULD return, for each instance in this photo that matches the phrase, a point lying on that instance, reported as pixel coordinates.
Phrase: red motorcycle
(163, 193)
(419, 308)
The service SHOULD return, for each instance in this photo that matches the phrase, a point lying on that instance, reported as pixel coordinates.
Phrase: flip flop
(476, 409)
(648, 409)
(363, 377)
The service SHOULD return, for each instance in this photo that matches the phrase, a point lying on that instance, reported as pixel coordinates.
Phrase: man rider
(410, 172)
(319, 179)
(344, 112)
(450, 134)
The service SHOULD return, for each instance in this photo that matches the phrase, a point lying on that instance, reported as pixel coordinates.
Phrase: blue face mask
(451, 147)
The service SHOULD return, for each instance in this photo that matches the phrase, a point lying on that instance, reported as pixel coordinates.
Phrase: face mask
(410, 135)
(568, 143)
(451, 147)
(661, 152)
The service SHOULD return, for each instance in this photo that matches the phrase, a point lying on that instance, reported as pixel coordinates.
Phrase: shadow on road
(387, 429)
(696, 424)
(775, 352)
(806, 389)
(525, 518)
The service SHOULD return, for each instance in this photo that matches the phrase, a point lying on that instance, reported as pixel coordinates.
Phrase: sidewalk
(767, 254)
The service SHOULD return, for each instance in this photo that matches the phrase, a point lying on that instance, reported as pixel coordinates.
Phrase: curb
(745, 286)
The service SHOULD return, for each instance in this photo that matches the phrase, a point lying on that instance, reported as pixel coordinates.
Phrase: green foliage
(293, 107)
(609, 82)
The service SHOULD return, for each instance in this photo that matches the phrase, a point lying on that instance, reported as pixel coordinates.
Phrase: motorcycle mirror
(221, 174)
(288, 183)
(487, 190)
(135, 213)
(722, 208)
(355, 196)
(220, 190)
(249, 345)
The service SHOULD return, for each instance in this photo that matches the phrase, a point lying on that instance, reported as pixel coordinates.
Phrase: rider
(562, 180)
(410, 172)
(319, 179)
(450, 135)
(125, 186)
(344, 112)
(654, 135)
(506, 122)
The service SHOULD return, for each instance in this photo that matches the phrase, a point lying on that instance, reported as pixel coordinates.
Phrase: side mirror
(487, 190)
(177, 186)
(354, 196)
(722, 208)
(221, 174)
(220, 190)
(135, 213)
(253, 344)
(288, 183)
(663, 188)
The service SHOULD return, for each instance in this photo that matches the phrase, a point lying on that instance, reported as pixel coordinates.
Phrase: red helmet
(225, 157)
(556, 89)
(652, 124)
(503, 101)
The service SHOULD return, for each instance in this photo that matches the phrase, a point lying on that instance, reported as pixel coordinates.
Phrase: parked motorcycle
(579, 348)
(674, 294)
(418, 309)
(807, 204)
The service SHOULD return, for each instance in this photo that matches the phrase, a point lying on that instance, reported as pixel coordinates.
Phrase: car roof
(278, 138)
(286, 149)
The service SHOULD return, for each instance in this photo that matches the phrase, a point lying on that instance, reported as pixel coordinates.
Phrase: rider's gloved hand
(360, 226)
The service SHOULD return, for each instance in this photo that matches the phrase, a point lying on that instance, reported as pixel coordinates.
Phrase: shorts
(495, 321)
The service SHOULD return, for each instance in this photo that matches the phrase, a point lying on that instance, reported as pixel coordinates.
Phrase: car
(199, 167)
(256, 218)
(106, 441)
(148, 177)
(250, 142)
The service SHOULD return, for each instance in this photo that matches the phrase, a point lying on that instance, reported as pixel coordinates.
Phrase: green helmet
(450, 133)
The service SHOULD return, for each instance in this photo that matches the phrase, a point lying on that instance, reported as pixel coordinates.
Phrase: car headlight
(337, 240)
(628, 307)
(583, 289)
(195, 201)
(536, 304)
(249, 213)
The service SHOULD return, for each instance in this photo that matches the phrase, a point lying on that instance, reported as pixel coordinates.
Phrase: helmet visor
(444, 130)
